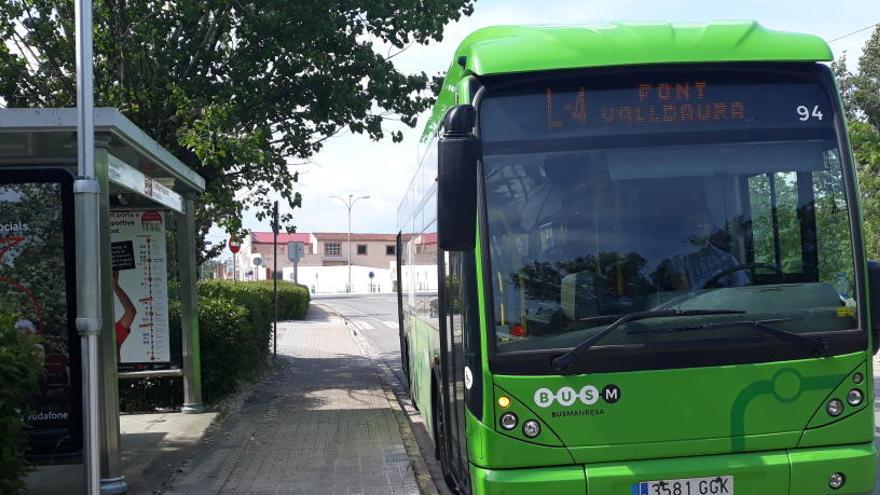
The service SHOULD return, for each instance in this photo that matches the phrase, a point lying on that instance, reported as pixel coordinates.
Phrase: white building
(324, 267)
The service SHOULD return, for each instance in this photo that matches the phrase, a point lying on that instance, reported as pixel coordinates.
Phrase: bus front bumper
(793, 472)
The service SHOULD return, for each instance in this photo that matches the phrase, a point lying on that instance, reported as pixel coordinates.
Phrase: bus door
(401, 321)
(454, 325)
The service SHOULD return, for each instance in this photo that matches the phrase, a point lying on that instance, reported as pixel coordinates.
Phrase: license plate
(715, 485)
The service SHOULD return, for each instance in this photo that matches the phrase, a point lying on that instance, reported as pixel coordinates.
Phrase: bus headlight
(834, 407)
(509, 421)
(531, 428)
(504, 402)
(854, 397)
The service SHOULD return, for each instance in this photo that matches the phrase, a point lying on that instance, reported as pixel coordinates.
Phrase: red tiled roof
(343, 236)
(283, 238)
(429, 238)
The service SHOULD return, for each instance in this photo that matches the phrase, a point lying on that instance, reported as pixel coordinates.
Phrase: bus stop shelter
(38, 160)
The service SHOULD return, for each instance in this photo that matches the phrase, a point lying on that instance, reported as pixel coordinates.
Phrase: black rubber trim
(692, 354)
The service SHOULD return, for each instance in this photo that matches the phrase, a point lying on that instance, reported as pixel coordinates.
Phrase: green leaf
(236, 90)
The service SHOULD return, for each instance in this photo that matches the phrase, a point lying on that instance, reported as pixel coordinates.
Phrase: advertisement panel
(140, 289)
(37, 292)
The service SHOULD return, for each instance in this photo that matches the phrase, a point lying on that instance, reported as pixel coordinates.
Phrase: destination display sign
(650, 105)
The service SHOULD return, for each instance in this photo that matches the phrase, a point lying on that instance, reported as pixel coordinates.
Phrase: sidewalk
(152, 445)
(320, 423)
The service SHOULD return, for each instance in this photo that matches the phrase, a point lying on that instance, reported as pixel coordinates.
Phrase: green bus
(631, 262)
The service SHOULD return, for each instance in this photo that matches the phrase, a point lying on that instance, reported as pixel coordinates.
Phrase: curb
(421, 473)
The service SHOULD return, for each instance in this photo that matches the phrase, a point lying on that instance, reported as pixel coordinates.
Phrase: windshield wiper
(815, 345)
(564, 362)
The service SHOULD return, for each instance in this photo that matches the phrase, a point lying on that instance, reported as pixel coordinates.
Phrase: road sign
(371, 275)
(295, 251)
(234, 244)
(258, 261)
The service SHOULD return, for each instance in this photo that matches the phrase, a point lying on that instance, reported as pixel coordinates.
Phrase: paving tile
(320, 423)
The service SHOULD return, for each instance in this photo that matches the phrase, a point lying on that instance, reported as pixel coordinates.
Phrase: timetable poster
(140, 289)
(36, 297)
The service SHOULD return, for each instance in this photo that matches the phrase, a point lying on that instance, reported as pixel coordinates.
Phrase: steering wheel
(743, 266)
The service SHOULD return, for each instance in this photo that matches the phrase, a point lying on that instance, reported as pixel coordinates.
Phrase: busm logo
(567, 396)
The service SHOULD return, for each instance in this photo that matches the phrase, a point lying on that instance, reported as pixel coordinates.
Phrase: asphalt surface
(375, 315)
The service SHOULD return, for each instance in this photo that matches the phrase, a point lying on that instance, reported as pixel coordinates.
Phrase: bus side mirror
(457, 153)
(874, 301)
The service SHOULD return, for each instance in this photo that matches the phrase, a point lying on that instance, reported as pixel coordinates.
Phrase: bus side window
(835, 256)
(776, 230)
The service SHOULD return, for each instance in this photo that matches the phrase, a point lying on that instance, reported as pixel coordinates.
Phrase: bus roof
(505, 49)
(511, 49)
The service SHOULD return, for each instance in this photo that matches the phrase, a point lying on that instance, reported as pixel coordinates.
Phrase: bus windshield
(715, 190)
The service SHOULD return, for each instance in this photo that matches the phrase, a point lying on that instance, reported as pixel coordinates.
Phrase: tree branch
(71, 87)
(19, 41)
(28, 74)
(390, 55)
(212, 36)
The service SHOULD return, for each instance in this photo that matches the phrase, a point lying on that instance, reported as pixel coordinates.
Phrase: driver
(552, 208)
(693, 270)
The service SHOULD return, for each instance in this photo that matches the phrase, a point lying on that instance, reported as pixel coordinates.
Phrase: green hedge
(21, 363)
(293, 299)
(235, 324)
(232, 350)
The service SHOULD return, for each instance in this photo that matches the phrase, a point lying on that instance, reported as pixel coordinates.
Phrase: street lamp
(348, 204)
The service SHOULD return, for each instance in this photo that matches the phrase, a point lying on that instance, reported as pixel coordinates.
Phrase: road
(375, 315)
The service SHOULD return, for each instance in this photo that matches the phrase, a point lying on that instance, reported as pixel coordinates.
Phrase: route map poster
(37, 281)
(140, 289)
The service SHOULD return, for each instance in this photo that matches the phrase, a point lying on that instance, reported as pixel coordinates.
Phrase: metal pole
(112, 479)
(189, 310)
(349, 243)
(348, 204)
(87, 196)
(275, 222)
(234, 255)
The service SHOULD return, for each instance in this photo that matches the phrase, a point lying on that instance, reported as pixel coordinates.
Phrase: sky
(353, 164)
